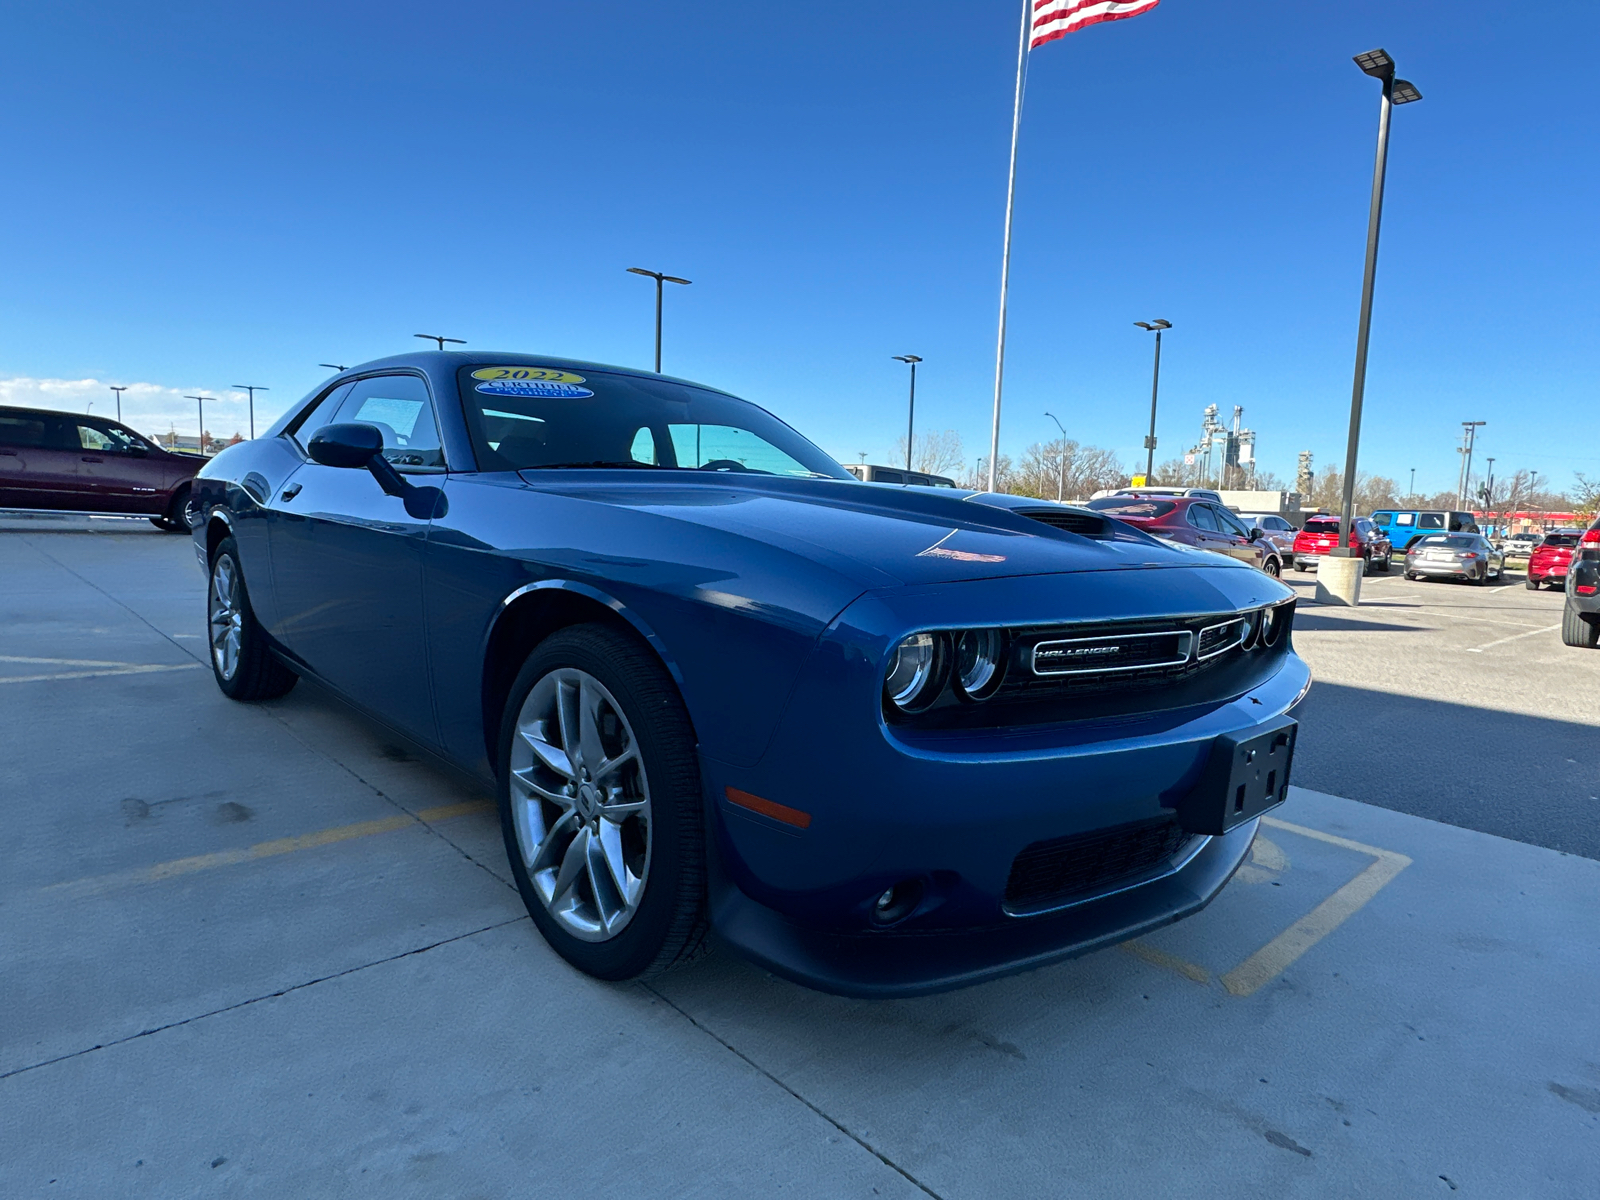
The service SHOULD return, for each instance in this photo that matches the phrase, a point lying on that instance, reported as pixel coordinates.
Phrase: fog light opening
(897, 903)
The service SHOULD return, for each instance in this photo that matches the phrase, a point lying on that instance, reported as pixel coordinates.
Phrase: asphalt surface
(269, 950)
(1455, 703)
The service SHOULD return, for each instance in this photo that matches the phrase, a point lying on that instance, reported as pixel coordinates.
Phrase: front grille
(1216, 638)
(1085, 524)
(1058, 869)
(1116, 652)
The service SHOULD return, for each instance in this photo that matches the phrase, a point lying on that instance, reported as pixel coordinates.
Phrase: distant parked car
(1550, 559)
(1321, 535)
(872, 473)
(1164, 492)
(1193, 521)
(1520, 545)
(1580, 617)
(1274, 529)
(66, 463)
(1467, 556)
(1404, 526)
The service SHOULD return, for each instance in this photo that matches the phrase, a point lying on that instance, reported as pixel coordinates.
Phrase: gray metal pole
(1358, 390)
(1061, 460)
(658, 324)
(911, 415)
(1150, 442)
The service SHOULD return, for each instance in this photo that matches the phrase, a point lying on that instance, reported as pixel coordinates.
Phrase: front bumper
(950, 816)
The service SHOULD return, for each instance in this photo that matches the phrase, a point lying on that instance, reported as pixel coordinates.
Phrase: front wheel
(241, 660)
(1580, 629)
(1271, 567)
(600, 805)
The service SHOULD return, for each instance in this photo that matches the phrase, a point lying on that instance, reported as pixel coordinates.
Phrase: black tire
(1388, 557)
(1531, 584)
(668, 927)
(257, 674)
(1580, 629)
(1273, 567)
(173, 520)
(1412, 577)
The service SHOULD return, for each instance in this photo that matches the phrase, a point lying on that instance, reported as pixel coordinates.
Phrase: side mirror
(348, 445)
(138, 451)
(356, 445)
(1255, 534)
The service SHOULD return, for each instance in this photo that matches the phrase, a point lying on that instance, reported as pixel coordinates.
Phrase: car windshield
(1455, 542)
(531, 417)
(1323, 525)
(1561, 539)
(1132, 508)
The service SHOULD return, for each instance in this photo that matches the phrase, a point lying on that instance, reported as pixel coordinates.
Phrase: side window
(1465, 522)
(1230, 523)
(1383, 519)
(103, 439)
(1430, 521)
(644, 446)
(319, 414)
(881, 476)
(1405, 519)
(702, 445)
(1201, 517)
(401, 409)
(27, 432)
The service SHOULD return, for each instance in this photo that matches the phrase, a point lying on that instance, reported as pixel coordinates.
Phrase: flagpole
(1005, 256)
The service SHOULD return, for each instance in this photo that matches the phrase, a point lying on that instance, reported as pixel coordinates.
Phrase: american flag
(1057, 18)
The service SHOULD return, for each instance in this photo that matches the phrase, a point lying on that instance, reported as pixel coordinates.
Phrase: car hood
(881, 536)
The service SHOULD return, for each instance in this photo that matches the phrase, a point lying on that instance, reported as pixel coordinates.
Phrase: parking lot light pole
(911, 414)
(1469, 437)
(660, 279)
(1155, 383)
(1380, 66)
(1061, 459)
(334, 366)
(118, 391)
(200, 401)
(1412, 494)
(434, 337)
(252, 388)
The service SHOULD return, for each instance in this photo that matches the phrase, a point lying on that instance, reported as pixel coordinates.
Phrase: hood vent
(1073, 520)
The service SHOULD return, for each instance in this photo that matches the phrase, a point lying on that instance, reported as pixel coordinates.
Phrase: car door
(347, 560)
(1207, 532)
(34, 470)
(1234, 538)
(114, 470)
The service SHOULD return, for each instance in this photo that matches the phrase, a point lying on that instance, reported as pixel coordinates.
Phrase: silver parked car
(1520, 545)
(1466, 556)
(1272, 528)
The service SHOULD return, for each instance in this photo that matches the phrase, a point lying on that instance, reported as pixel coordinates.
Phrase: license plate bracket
(1246, 775)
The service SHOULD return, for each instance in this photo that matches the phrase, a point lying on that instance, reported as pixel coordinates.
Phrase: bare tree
(937, 453)
(1372, 492)
(1584, 495)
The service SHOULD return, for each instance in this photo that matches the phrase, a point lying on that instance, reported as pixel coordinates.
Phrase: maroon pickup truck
(66, 463)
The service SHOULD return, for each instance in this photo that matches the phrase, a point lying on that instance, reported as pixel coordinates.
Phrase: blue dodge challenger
(882, 741)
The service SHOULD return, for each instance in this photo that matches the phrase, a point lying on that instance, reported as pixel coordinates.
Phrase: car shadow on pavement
(1312, 622)
(1440, 760)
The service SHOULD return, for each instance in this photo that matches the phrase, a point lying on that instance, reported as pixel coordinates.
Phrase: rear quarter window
(24, 432)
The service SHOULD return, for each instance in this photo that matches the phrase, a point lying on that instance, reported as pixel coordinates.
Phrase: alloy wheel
(580, 804)
(227, 616)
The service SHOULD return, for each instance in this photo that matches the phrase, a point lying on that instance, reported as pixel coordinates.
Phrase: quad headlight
(978, 663)
(915, 676)
(1273, 621)
(970, 661)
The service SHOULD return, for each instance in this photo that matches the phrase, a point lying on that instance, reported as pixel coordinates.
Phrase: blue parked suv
(1404, 526)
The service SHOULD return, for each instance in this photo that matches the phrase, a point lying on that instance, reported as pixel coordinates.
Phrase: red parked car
(1193, 521)
(1320, 535)
(1550, 558)
(66, 463)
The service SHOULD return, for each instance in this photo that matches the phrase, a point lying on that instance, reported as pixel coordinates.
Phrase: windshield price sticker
(541, 382)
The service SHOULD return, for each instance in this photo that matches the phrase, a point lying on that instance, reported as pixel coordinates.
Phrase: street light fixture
(1061, 459)
(911, 416)
(252, 388)
(434, 337)
(201, 402)
(118, 391)
(660, 279)
(334, 366)
(1380, 66)
(1155, 382)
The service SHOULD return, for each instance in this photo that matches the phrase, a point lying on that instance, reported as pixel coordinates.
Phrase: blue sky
(205, 195)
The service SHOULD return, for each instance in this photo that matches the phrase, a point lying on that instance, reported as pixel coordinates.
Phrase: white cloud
(148, 407)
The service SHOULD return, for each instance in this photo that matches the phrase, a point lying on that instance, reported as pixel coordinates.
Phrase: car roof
(449, 361)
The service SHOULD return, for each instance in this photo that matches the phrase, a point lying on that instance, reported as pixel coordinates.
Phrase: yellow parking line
(97, 884)
(1277, 955)
(1267, 963)
(128, 669)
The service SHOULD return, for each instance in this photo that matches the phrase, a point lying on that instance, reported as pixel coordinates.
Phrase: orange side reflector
(767, 808)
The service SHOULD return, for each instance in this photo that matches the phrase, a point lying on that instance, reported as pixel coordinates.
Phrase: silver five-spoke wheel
(580, 804)
(227, 616)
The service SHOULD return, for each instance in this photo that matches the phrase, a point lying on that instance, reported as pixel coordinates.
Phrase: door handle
(290, 492)
(91, 458)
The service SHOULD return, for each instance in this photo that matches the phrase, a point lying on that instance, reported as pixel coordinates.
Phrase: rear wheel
(173, 519)
(1580, 629)
(241, 659)
(1531, 584)
(601, 807)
